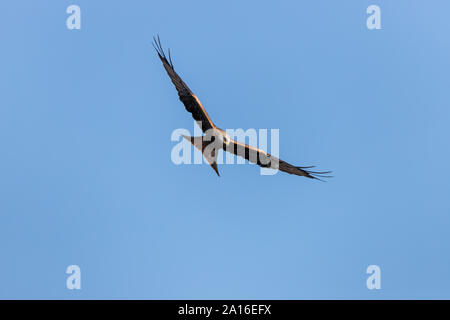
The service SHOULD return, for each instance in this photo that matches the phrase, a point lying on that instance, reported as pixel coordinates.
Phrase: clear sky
(86, 176)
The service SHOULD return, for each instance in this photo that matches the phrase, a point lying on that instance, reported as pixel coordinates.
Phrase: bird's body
(216, 138)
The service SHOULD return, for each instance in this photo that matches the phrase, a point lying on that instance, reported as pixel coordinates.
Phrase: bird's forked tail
(210, 154)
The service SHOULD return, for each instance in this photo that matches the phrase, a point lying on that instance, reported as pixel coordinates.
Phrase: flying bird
(216, 138)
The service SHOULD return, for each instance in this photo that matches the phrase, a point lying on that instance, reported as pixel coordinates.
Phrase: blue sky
(86, 176)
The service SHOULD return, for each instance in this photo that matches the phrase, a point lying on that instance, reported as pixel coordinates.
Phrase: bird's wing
(190, 101)
(265, 160)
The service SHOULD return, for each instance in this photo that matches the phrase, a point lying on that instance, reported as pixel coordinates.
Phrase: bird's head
(225, 137)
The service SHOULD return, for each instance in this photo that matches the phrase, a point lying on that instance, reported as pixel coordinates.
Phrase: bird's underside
(216, 138)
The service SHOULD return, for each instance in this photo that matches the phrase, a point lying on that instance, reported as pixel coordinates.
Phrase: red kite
(216, 138)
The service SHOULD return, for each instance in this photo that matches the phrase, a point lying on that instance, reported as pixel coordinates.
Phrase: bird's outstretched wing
(265, 160)
(190, 101)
